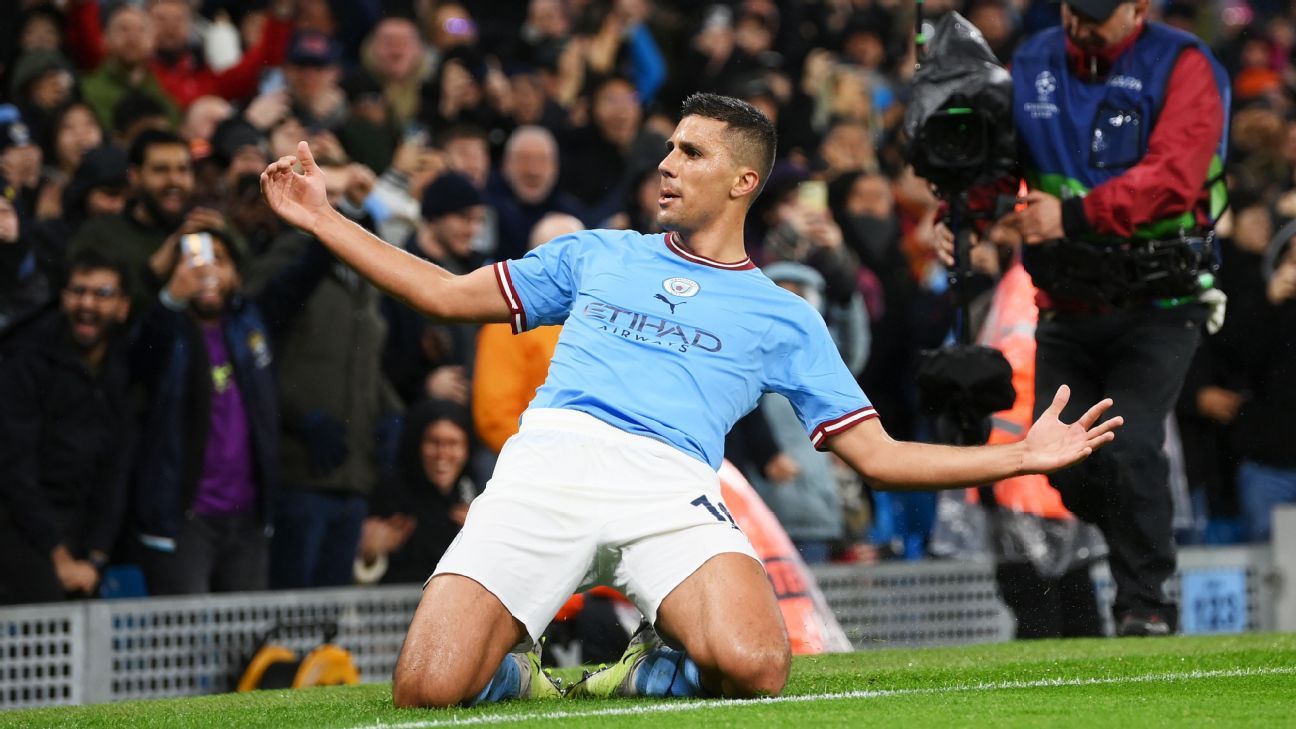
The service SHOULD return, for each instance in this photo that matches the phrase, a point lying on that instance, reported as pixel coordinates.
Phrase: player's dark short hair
(756, 138)
(148, 138)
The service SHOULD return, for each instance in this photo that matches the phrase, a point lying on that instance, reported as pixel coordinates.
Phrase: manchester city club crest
(679, 286)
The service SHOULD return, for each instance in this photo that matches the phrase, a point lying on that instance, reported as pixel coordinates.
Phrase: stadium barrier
(112, 650)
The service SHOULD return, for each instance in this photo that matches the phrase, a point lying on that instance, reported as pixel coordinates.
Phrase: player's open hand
(297, 197)
(1052, 444)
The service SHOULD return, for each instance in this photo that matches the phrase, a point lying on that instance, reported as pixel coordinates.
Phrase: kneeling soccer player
(667, 341)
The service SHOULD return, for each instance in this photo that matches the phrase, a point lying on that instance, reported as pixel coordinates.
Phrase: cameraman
(1121, 124)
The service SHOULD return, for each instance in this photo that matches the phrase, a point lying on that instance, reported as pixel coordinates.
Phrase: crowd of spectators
(253, 414)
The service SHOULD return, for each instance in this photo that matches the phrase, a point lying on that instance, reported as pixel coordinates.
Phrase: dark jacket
(515, 219)
(1264, 431)
(330, 362)
(65, 440)
(170, 363)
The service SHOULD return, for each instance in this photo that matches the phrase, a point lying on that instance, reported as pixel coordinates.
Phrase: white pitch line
(683, 706)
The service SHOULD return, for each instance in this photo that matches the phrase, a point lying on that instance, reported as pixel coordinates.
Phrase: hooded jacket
(410, 492)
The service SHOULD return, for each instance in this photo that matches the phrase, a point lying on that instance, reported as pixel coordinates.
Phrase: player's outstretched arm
(1049, 446)
(299, 198)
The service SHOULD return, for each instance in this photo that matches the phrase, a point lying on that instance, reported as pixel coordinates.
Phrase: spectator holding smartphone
(208, 463)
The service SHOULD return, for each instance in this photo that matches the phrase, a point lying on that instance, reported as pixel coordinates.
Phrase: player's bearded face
(695, 176)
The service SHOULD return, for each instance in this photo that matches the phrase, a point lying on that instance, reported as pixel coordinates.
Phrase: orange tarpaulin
(810, 623)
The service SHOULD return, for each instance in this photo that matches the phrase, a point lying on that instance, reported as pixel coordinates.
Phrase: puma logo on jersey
(668, 302)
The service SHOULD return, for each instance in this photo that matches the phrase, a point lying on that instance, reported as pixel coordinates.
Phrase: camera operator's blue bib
(1078, 134)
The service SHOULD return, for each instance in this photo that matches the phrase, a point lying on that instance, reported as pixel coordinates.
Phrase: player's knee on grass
(745, 670)
(410, 693)
(761, 672)
(426, 690)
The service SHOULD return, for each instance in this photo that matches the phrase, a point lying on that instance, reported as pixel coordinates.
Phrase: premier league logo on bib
(682, 287)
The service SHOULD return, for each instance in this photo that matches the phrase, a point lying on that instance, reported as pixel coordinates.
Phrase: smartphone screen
(812, 195)
(198, 248)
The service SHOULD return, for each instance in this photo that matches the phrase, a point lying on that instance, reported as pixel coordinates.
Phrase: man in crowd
(209, 457)
(64, 438)
(425, 358)
(525, 190)
(1121, 123)
(336, 410)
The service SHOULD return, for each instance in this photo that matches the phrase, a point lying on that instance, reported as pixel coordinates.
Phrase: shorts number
(719, 511)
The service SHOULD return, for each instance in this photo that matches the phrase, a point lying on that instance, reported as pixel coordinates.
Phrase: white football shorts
(575, 503)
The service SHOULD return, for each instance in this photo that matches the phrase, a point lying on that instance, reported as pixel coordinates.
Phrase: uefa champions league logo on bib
(683, 287)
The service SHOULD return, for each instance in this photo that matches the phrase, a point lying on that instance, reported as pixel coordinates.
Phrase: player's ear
(746, 184)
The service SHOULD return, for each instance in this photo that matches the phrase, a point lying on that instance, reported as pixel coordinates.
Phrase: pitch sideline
(687, 706)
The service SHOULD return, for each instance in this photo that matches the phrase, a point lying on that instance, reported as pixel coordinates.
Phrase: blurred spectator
(467, 151)
(208, 462)
(453, 214)
(136, 113)
(75, 130)
(523, 192)
(416, 515)
(639, 204)
(447, 27)
(1216, 388)
(202, 116)
(370, 134)
(126, 49)
(547, 29)
(726, 49)
(98, 187)
(802, 230)
(23, 287)
(41, 84)
(806, 503)
(865, 207)
(337, 411)
(160, 173)
(399, 191)
(1263, 432)
(161, 57)
(532, 102)
(38, 27)
(613, 39)
(239, 149)
(510, 368)
(312, 73)
(394, 57)
(598, 159)
(180, 66)
(467, 88)
(994, 19)
(250, 217)
(425, 359)
(20, 161)
(65, 439)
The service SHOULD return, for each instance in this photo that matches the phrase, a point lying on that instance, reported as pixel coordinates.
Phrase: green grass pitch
(1245, 680)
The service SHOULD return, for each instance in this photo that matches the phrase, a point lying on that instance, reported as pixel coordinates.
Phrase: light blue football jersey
(660, 342)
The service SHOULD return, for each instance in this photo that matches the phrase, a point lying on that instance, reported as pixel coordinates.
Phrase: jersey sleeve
(540, 286)
(810, 373)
